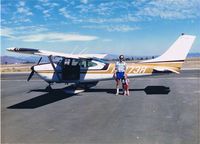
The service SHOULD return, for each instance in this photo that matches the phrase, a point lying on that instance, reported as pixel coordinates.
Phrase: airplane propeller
(32, 68)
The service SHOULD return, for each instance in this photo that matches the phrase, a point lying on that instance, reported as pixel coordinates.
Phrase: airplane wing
(57, 54)
(165, 69)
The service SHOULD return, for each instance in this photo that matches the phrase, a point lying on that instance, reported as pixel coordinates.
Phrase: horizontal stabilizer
(165, 69)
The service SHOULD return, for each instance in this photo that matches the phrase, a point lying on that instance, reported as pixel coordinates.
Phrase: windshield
(100, 60)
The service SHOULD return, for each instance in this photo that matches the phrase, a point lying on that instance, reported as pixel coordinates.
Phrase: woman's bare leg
(117, 87)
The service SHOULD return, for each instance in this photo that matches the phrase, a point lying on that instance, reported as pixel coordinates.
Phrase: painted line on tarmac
(169, 78)
(10, 73)
(186, 78)
(190, 69)
(19, 80)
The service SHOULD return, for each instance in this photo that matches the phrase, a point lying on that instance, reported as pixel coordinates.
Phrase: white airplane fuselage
(102, 71)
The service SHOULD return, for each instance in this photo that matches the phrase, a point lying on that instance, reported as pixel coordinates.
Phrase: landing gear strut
(49, 88)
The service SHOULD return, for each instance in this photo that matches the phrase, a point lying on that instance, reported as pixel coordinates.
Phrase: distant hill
(20, 60)
(190, 55)
(11, 60)
(112, 56)
(127, 57)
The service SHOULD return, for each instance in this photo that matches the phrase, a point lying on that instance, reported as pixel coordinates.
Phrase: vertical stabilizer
(178, 50)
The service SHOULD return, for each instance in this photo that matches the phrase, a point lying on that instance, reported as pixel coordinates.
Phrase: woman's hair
(121, 57)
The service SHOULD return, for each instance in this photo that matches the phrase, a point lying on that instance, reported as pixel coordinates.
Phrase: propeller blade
(39, 61)
(32, 68)
(31, 74)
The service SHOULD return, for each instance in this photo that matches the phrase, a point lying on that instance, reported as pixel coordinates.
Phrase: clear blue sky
(130, 27)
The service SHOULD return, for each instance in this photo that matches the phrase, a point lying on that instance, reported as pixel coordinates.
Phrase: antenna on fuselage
(74, 50)
(83, 50)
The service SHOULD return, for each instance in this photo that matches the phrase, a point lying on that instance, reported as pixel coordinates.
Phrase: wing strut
(50, 59)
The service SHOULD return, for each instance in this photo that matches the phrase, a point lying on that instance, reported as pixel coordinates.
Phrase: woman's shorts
(119, 75)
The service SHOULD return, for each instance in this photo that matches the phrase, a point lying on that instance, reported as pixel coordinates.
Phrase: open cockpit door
(70, 69)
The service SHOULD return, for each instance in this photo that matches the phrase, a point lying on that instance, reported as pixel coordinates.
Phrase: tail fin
(178, 50)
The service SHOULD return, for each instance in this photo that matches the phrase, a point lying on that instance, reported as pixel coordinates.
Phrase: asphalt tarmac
(159, 110)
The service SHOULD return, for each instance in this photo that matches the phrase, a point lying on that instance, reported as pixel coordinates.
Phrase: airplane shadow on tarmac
(58, 94)
(149, 90)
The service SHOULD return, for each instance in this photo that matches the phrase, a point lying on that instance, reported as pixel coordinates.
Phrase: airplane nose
(32, 68)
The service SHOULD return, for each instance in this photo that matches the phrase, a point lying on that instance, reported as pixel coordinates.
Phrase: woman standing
(120, 69)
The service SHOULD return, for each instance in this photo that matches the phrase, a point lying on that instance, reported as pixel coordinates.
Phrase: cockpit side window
(87, 63)
(83, 63)
(75, 62)
(91, 64)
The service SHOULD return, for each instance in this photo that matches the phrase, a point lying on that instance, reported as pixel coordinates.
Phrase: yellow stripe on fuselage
(132, 68)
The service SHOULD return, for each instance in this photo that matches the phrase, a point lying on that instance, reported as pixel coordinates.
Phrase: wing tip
(11, 48)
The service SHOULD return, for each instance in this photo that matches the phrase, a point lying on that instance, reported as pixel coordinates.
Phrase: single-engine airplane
(86, 70)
